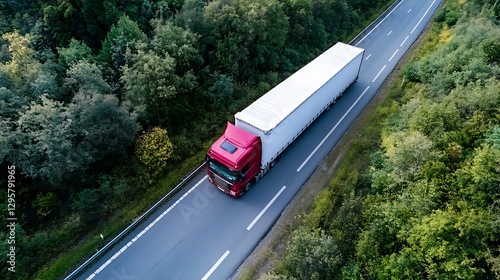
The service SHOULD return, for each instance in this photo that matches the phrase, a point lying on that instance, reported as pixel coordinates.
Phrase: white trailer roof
(272, 108)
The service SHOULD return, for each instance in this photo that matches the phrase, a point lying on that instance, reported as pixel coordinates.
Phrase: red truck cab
(234, 160)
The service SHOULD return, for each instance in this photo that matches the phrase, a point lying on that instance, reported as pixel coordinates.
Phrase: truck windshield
(222, 170)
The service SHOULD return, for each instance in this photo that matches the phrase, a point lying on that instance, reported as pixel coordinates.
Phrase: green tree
(153, 148)
(11, 104)
(83, 77)
(221, 93)
(150, 84)
(179, 43)
(45, 83)
(43, 146)
(311, 255)
(244, 37)
(479, 178)
(45, 203)
(101, 127)
(494, 138)
(306, 35)
(75, 52)
(22, 69)
(406, 154)
(5, 135)
(88, 205)
(191, 16)
(124, 34)
(451, 243)
(88, 20)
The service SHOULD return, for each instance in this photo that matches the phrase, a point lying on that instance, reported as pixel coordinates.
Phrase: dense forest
(100, 100)
(420, 196)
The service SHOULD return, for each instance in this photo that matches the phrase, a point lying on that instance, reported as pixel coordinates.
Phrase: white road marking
(145, 230)
(379, 72)
(404, 41)
(379, 23)
(368, 56)
(409, 10)
(331, 131)
(265, 208)
(389, 33)
(214, 267)
(393, 54)
(418, 23)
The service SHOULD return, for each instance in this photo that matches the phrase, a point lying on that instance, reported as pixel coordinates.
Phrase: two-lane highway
(203, 233)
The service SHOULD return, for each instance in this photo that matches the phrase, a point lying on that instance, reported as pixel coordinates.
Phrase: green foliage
(88, 205)
(102, 127)
(45, 204)
(494, 138)
(43, 135)
(479, 178)
(491, 49)
(125, 34)
(153, 148)
(245, 36)
(221, 93)
(451, 243)
(406, 153)
(181, 44)
(75, 52)
(88, 20)
(150, 83)
(450, 13)
(84, 76)
(191, 16)
(10, 103)
(311, 255)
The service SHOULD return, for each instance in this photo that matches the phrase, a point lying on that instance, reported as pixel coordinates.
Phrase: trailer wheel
(275, 161)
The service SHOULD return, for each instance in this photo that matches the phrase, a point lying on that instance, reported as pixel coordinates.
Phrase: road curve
(204, 234)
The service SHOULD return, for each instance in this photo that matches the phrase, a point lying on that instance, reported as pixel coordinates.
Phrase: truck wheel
(275, 161)
(248, 186)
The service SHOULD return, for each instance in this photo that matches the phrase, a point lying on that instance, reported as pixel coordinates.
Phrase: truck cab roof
(231, 146)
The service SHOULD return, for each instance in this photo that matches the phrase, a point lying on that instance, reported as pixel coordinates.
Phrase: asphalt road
(205, 234)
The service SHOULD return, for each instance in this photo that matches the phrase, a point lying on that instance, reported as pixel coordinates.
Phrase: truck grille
(221, 182)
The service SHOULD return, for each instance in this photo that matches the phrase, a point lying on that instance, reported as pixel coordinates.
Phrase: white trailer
(280, 116)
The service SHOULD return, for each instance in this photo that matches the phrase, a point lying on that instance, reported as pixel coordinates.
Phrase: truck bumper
(225, 190)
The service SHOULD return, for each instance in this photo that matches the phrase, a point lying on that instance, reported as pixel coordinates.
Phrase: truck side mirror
(243, 177)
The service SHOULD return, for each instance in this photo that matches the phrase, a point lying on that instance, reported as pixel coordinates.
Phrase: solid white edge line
(145, 230)
(331, 131)
(393, 54)
(378, 24)
(214, 267)
(404, 41)
(380, 72)
(422, 18)
(265, 208)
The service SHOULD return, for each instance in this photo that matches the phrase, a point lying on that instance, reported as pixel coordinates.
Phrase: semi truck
(264, 129)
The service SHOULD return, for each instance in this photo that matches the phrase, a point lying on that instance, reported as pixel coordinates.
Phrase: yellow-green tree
(153, 148)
